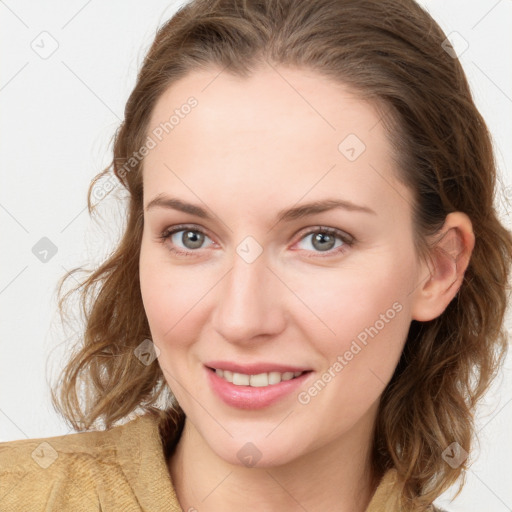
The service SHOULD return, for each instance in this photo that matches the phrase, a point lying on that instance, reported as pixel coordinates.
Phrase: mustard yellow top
(121, 469)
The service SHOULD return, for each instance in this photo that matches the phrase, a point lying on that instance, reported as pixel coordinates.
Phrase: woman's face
(292, 252)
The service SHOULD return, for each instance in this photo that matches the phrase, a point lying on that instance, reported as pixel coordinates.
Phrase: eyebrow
(289, 214)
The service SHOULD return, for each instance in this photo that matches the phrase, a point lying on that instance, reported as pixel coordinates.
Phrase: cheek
(166, 313)
(171, 296)
(154, 290)
(370, 323)
(361, 327)
(345, 304)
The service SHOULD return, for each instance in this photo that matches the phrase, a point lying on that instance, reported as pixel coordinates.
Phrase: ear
(441, 277)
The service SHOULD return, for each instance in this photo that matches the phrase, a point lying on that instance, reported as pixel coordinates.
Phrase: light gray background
(58, 114)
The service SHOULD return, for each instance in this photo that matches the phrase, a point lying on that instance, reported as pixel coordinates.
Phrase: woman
(273, 373)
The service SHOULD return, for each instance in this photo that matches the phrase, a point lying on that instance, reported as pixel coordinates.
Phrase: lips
(254, 386)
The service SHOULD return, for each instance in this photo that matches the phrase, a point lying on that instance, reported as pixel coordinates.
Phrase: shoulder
(52, 454)
(74, 471)
(387, 498)
(24, 453)
(31, 470)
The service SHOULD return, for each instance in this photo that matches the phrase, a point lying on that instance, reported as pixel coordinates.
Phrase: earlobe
(440, 278)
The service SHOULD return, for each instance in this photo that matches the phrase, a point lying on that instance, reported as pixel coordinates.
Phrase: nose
(250, 304)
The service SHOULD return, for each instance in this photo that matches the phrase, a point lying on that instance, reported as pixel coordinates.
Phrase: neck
(336, 476)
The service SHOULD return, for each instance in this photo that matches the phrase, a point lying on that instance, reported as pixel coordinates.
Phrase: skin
(250, 148)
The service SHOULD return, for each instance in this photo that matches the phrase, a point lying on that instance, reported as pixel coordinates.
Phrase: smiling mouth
(257, 381)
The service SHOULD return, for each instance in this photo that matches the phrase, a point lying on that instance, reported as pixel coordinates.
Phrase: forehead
(289, 129)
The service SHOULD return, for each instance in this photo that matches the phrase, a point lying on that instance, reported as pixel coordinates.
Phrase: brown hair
(388, 51)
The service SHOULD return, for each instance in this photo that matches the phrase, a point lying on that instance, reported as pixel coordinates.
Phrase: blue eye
(190, 238)
(185, 240)
(322, 241)
(328, 240)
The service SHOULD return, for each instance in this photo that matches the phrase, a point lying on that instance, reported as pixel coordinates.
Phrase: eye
(326, 240)
(188, 238)
(185, 240)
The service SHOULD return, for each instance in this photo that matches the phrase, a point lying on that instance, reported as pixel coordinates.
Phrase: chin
(259, 452)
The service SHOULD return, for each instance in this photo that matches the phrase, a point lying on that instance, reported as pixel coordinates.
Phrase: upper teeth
(259, 380)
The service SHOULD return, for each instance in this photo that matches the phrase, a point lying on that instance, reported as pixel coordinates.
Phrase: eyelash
(348, 241)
